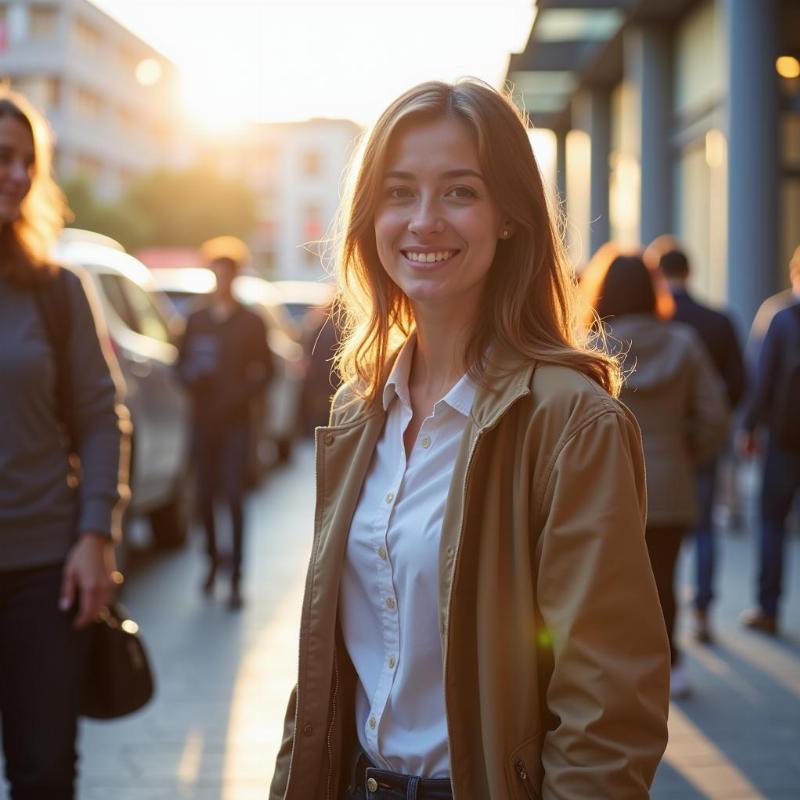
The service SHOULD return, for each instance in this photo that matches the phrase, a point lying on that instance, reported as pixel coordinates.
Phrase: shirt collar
(460, 397)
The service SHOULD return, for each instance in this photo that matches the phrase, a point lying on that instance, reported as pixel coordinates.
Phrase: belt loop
(411, 789)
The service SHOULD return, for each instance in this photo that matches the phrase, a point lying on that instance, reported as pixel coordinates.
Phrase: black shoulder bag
(117, 679)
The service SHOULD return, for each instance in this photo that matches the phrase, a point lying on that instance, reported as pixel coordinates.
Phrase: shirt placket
(387, 596)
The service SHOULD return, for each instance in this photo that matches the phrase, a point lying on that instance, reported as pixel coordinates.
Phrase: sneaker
(702, 631)
(679, 682)
(757, 620)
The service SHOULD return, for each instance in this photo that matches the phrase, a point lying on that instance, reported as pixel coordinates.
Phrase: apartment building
(296, 171)
(110, 97)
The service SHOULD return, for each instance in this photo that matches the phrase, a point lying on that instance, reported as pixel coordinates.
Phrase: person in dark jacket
(59, 392)
(716, 331)
(672, 389)
(226, 364)
(773, 406)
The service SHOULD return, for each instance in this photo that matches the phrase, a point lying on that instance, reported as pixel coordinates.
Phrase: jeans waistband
(380, 784)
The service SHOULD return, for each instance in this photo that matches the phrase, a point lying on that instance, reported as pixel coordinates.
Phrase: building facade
(296, 170)
(109, 96)
(675, 116)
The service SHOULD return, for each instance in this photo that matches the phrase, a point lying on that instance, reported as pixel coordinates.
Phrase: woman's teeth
(430, 258)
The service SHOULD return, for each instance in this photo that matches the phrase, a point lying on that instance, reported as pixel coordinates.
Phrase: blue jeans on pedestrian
(221, 463)
(703, 532)
(369, 783)
(41, 661)
(780, 481)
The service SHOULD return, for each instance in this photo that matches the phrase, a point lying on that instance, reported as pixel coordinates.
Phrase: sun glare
(275, 60)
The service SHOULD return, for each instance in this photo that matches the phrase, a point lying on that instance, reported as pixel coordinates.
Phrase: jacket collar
(507, 378)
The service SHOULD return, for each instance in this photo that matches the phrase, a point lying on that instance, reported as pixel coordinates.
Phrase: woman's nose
(426, 219)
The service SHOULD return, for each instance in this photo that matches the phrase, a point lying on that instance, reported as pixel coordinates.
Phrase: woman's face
(436, 226)
(16, 166)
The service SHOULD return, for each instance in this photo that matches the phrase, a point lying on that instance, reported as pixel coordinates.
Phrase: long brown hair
(26, 242)
(530, 302)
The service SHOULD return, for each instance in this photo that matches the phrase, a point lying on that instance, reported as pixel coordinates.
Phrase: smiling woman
(479, 562)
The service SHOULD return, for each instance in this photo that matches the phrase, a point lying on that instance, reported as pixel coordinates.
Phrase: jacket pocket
(525, 770)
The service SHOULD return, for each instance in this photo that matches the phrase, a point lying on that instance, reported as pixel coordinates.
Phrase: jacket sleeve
(733, 367)
(609, 688)
(102, 423)
(281, 776)
(760, 400)
(709, 414)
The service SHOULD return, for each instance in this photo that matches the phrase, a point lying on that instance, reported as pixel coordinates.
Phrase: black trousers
(41, 660)
(221, 460)
(663, 545)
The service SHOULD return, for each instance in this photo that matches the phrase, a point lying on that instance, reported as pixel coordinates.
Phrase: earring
(505, 233)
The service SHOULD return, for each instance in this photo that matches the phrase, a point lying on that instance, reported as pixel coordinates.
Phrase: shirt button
(373, 722)
(390, 602)
(390, 497)
(382, 553)
(329, 438)
(426, 442)
(372, 785)
(392, 662)
(451, 551)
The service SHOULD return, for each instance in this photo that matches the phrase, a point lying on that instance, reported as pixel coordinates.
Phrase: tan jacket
(544, 586)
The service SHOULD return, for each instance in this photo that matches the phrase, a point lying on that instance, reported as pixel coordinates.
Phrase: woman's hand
(88, 571)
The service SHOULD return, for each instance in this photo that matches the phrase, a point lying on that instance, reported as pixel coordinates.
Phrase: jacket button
(307, 730)
(372, 785)
(329, 438)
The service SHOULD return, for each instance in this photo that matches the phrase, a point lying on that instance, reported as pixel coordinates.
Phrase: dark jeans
(41, 658)
(703, 531)
(221, 460)
(780, 481)
(392, 785)
(663, 545)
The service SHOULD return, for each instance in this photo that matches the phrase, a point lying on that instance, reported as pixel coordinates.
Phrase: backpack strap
(52, 300)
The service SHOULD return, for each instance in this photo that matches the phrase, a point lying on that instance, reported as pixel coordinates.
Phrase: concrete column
(648, 72)
(753, 147)
(591, 113)
(561, 165)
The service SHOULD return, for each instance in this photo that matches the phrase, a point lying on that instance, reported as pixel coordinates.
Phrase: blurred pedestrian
(321, 340)
(480, 618)
(773, 405)
(717, 333)
(672, 389)
(58, 402)
(768, 309)
(226, 364)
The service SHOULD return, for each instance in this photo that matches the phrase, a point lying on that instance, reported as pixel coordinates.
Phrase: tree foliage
(168, 208)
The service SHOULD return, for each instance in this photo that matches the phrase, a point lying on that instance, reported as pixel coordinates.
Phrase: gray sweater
(41, 514)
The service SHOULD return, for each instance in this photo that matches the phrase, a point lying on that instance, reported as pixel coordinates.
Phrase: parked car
(303, 297)
(137, 319)
(190, 287)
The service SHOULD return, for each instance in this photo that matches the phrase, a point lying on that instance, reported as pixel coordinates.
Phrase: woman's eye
(462, 193)
(398, 192)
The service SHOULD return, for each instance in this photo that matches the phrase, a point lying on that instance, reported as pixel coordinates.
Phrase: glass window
(115, 296)
(149, 321)
(43, 22)
(312, 163)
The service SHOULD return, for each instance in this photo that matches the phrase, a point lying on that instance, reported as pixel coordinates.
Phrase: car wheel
(170, 523)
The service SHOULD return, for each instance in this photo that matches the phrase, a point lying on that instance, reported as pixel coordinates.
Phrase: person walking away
(773, 406)
(480, 618)
(672, 389)
(59, 401)
(225, 362)
(717, 333)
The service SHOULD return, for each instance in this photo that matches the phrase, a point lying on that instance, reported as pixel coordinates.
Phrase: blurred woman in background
(672, 388)
(58, 397)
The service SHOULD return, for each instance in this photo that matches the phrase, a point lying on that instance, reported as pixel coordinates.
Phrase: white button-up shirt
(389, 601)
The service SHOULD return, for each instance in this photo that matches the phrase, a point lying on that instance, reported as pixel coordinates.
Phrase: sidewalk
(223, 678)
